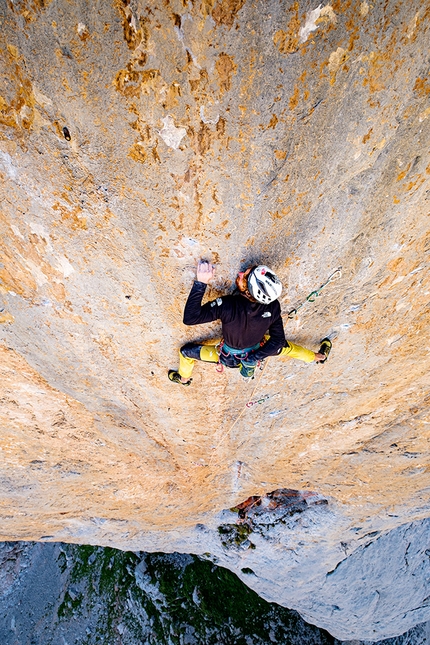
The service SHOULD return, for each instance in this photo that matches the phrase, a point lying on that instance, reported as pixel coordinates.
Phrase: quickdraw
(314, 294)
(251, 403)
(218, 349)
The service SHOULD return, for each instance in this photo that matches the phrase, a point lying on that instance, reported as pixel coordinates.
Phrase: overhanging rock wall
(137, 137)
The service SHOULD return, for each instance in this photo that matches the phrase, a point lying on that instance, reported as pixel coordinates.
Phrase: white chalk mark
(8, 165)
(64, 266)
(17, 232)
(205, 119)
(82, 29)
(171, 135)
(310, 24)
(313, 20)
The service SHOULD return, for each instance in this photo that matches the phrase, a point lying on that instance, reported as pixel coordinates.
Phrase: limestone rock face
(138, 137)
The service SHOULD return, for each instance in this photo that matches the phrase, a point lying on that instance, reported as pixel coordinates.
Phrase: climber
(252, 326)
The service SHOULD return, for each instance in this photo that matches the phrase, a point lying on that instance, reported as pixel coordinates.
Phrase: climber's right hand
(205, 271)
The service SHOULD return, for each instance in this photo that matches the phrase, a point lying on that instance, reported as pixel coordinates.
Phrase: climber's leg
(324, 350)
(296, 351)
(192, 352)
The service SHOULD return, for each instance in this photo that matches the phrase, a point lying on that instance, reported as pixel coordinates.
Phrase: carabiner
(313, 293)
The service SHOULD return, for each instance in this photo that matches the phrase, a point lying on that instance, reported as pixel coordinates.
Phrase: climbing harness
(230, 357)
(314, 294)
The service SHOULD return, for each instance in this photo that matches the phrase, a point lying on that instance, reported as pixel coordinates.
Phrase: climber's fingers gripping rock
(205, 272)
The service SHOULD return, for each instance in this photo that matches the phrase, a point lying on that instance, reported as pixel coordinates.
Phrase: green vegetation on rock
(174, 599)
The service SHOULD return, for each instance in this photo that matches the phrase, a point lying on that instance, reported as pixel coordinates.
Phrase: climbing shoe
(325, 349)
(247, 370)
(176, 378)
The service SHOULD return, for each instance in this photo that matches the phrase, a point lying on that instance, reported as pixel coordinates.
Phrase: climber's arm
(194, 312)
(276, 341)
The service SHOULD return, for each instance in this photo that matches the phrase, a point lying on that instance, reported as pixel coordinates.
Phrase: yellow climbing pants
(209, 354)
(295, 351)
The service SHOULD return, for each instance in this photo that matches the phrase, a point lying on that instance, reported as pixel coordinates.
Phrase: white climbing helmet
(264, 285)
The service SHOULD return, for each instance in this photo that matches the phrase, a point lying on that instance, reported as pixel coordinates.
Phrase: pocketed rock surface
(138, 137)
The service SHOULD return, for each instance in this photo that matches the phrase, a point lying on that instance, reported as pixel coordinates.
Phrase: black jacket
(244, 323)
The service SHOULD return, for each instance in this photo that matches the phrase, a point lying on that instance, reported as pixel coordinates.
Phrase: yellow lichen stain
(340, 5)
(13, 51)
(151, 80)
(17, 110)
(424, 115)
(58, 291)
(136, 30)
(72, 217)
(137, 152)
(171, 96)
(220, 127)
(216, 199)
(199, 85)
(128, 82)
(409, 30)
(327, 15)
(294, 99)
(224, 13)
(24, 267)
(367, 136)
(29, 9)
(65, 84)
(422, 87)
(225, 68)
(7, 114)
(396, 200)
(206, 7)
(394, 264)
(288, 41)
(379, 145)
(83, 32)
(280, 214)
(354, 35)
(134, 310)
(273, 122)
(6, 317)
(155, 155)
(15, 277)
(413, 184)
(322, 66)
(60, 133)
(375, 73)
(336, 60)
(204, 137)
(281, 154)
(364, 9)
(403, 174)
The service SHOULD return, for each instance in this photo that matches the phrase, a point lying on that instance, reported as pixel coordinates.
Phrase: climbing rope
(310, 298)
(244, 408)
(314, 294)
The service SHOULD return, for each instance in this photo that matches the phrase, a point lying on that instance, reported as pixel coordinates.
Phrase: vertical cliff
(137, 137)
